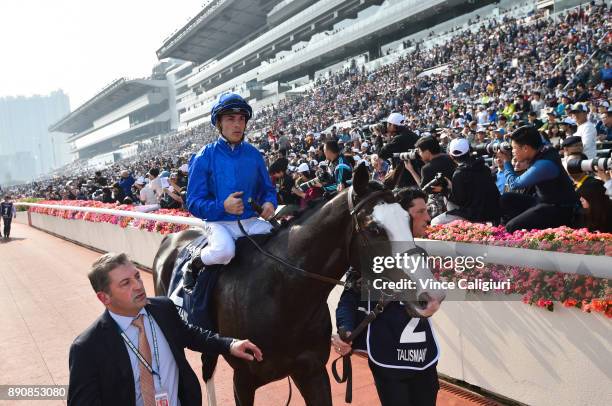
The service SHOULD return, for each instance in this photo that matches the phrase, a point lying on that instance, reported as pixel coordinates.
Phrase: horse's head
(382, 229)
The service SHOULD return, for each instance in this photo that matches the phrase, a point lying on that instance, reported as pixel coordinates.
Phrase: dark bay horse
(279, 309)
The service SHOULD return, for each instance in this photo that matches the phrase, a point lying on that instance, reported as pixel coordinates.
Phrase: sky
(80, 46)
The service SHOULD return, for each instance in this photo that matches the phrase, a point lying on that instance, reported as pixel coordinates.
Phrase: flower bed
(161, 227)
(540, 288)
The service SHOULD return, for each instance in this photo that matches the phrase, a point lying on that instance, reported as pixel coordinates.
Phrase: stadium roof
(108, 99)
(217, 28)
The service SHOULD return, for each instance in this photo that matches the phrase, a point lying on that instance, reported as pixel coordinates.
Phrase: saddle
(192, 286)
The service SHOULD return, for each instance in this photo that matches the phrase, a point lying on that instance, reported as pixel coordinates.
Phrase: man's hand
(603, 175)
(239, 349)
(233, 204)
(340, 346)
(433, 306)
(268, 210)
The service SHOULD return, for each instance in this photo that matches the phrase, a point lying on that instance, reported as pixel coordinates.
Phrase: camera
(438, 180)
(493, 148)
(323, 177)
(407, 156)
(577, 165)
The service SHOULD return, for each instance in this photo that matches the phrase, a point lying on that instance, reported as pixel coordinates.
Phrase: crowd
(552, 74)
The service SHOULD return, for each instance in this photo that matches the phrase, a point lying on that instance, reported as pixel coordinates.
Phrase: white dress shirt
(167, 367)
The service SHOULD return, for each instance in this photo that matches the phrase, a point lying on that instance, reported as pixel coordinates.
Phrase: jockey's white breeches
(221, 235)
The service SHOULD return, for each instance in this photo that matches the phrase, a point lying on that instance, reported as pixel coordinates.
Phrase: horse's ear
(361, 178)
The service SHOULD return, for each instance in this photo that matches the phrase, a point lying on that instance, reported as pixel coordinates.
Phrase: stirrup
(194, 266)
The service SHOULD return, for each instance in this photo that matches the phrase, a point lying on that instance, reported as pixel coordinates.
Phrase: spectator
(586, 130)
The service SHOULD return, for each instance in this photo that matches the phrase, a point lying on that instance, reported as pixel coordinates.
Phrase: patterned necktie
(147, 389)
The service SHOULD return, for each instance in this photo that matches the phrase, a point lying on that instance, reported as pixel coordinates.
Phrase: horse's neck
(320, 244)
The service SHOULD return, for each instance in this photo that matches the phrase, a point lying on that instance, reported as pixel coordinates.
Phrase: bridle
(354, 210)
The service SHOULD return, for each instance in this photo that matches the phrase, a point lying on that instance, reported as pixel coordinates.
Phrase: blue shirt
(500, 181)
(541, 170)
(167, 368)
(220, 169)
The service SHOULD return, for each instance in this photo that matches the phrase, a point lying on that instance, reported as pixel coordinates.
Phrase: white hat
(184, 168)
(312, 149)
(569, 121)
(303, 167)
(458, 147)
(579, 107)
(395, 119)
(365, 144)
(140, 180)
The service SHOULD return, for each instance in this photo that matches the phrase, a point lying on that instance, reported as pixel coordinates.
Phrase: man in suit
(134, 353)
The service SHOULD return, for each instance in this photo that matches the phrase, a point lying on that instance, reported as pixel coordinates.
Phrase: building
(27, 148)
(124, 112)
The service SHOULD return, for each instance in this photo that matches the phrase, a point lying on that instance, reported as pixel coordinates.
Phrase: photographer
(556, 201)
(474, 195)
(435, 162)
(283, 182)
(338, 167)
(402, 140)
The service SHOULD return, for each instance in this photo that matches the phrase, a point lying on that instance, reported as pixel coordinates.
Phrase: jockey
(223, 175)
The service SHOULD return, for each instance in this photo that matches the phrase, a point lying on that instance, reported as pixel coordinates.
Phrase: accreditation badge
(161, 398)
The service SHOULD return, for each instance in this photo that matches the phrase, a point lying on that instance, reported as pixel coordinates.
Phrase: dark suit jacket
(100, 369)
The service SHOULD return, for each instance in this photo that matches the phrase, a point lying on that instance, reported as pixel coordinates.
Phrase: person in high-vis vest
(402, 351)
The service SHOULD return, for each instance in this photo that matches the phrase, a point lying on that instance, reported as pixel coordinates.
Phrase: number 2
(409, 335)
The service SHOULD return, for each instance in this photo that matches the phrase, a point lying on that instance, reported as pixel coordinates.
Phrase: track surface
(46, 301)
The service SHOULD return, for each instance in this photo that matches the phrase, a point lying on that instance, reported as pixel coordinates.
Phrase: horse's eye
(372, 227)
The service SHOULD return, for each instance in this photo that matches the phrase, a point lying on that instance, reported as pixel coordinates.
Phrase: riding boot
(194, 266)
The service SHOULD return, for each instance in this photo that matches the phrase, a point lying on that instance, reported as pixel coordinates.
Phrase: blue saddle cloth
(194, 305)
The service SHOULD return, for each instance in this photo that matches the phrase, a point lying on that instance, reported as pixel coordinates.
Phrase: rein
(353, 209)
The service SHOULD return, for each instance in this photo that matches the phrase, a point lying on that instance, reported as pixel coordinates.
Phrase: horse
(280, 310)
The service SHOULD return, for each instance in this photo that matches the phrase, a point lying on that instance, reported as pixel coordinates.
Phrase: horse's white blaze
(396, 222)
(394, 219)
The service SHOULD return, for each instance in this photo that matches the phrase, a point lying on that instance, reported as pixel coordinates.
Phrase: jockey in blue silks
(223, 175)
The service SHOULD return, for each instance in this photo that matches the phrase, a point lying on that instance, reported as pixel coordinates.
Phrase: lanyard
(140, 356)
(581, 181)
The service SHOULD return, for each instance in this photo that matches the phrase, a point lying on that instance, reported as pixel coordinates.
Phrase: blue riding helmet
(230, 103)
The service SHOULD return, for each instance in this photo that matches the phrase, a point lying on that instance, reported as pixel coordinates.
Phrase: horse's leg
(244, 387)
(314, 387)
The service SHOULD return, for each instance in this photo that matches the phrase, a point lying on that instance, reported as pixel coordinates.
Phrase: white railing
(190, 221)
(592, 265)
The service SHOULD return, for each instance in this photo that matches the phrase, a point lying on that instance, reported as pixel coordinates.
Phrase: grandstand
(123, 112)
(296, 40)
